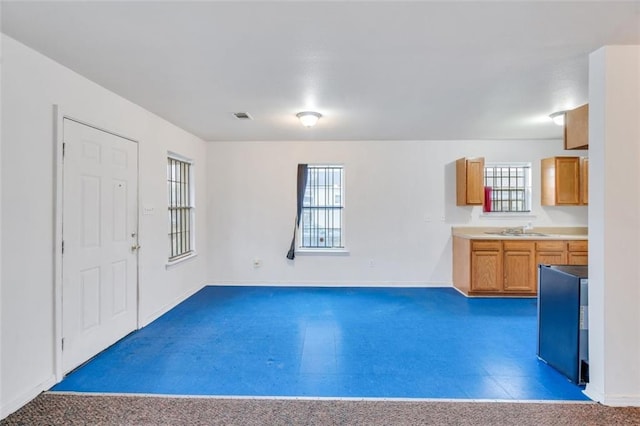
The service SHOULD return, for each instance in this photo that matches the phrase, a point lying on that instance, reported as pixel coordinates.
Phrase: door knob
(135, 247)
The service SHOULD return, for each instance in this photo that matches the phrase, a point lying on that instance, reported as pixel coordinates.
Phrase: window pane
(321, 218)
(180, 208)
(510, 190)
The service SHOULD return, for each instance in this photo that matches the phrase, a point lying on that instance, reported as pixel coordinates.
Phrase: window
(321, 219)
(510, 187)
(180, 208)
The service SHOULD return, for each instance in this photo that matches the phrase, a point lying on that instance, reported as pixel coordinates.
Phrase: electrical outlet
(257, 263)
(372, 263)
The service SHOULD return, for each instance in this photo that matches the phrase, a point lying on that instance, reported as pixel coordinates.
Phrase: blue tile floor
(332, 342)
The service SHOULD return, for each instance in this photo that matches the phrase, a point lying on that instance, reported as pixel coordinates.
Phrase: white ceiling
(382, 70)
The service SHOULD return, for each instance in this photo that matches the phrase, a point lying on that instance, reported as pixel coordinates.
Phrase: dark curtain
(302, 187)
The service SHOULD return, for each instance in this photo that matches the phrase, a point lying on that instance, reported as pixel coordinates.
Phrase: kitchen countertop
(550, 233)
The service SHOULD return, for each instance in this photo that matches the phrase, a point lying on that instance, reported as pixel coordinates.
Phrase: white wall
(31, 85)
(249, 189)
(614, 225)
(391, 188)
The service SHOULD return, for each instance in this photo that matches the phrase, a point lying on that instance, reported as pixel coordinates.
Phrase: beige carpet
(64, 409)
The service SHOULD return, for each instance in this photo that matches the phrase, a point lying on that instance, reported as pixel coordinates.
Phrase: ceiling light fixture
(309, 118)
(558, 117)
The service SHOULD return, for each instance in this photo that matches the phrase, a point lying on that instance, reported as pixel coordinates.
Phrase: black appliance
(563, 340)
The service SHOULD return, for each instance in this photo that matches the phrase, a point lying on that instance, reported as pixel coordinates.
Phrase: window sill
(502, 215)
(322, 252)
(170, 264)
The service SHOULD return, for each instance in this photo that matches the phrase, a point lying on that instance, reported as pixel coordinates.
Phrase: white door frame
(58, 129)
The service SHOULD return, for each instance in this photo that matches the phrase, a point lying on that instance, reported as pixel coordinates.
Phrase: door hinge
(63, 343)
(64, 148)
(62, 247)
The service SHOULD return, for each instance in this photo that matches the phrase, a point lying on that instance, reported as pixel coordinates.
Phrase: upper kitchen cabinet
(576, 128)
(584, 180)
(470, 181)
(564, 181)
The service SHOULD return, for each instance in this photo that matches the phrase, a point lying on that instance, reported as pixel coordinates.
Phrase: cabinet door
(470, 181)
(475, 181)
(578, 258)
(486, 269)
(551, 253)
(584, 181)
(567, 180)
(560, 181)
(576, 128)
(519, 267)
(578, 252)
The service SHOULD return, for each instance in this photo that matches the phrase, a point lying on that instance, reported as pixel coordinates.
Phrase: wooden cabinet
(576, 128)
(494, 267)
(578, 253)
(470, 181)
(561, 181)
(519, 266)
(509, 267)
(575, 252)
(584, 181)
(486, 266)
(551, 252)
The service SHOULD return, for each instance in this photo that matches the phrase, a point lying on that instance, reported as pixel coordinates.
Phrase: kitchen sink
(517, 234)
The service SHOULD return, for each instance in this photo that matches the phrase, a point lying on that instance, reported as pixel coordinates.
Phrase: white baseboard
(17, 402)
(622, 401)
(612, 400)
(381, 284)
(593, 394)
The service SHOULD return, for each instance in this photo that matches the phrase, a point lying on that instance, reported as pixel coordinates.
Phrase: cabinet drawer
(518, 245)
(578, 258)
(581, 245)
(551, 246)
(486, 245)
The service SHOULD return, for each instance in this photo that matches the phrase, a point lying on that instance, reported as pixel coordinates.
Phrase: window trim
(331, 251)
(192, 212)
(528, 189)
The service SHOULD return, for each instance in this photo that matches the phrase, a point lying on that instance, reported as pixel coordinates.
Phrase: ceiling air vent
(242, 116)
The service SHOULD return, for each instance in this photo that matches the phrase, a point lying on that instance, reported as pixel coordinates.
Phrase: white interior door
(99, 260)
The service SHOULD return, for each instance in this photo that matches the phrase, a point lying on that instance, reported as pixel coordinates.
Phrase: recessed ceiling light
(308, 118)
(242, 116)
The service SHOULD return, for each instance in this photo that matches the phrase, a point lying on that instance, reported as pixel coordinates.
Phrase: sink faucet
(518, 229)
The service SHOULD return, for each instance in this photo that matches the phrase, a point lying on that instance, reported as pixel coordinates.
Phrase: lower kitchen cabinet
(486, 266)
(562, 252)
(519, 265)
(578, 253)
(551, 253)
(509, 267)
